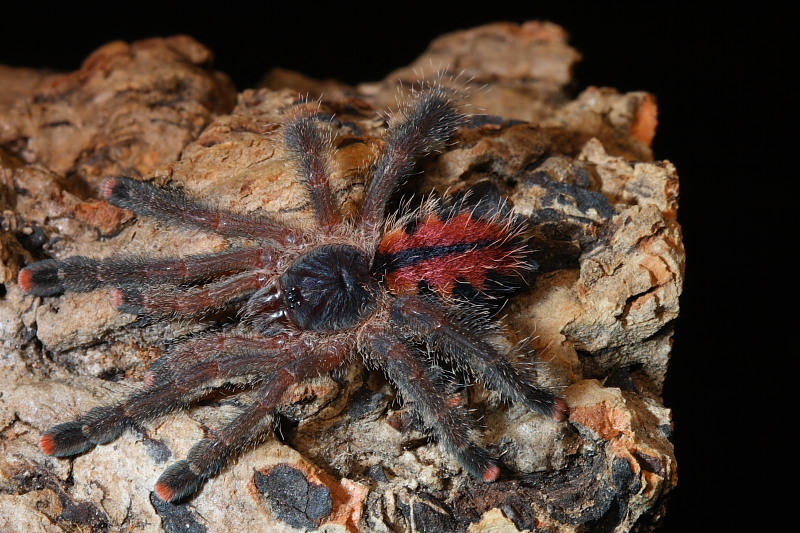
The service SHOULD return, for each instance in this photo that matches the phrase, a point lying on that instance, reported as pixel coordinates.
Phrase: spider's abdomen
(329, 288)
(448, 252)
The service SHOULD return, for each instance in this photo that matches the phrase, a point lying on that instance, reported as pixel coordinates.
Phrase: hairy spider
(393, 290)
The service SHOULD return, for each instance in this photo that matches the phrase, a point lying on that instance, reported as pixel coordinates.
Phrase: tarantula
(393, 289)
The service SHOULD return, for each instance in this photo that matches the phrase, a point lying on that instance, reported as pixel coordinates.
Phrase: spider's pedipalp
(468, 350)
(449, 423)
(265, 309)
(172, 205)
(425, 126)
(311, 149)
(206, 458)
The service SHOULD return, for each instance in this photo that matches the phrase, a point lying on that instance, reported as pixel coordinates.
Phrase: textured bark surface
(602, 310)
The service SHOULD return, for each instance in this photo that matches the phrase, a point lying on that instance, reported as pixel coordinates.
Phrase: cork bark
(602, 211)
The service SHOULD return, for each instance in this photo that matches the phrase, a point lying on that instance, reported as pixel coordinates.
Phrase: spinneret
(310, 300)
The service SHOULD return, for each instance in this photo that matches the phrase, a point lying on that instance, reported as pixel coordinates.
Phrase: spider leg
(224, 351)
(310, 148)
(170, 389)
(210, 455)
(449, 423)
(83, 274)
(172, 205)
(465, 348)
(429, 122)
(156, 301)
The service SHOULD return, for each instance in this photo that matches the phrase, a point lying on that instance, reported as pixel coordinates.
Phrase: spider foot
(479, 463)
(543, 401)
(99, 426)
(559, 410)
(178, 481)
(51, 277)
(65, 440)
(204, 460)
(41, 278)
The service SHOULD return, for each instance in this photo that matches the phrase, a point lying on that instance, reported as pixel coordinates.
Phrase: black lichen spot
(378, 473)
(293, 498)
(426, 514)
(649, 463)
(157, 449)
(558, 194)
(84, 515)
(176, 518)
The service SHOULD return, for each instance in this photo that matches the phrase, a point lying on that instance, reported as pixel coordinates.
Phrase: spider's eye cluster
(292, 297)
(330, 288)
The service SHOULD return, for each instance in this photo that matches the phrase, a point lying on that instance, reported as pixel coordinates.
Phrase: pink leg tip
(164, 492)
(491, 473)
(117, 298)
(24, 279)
(47, 444)
(559, 410)
(108, 187)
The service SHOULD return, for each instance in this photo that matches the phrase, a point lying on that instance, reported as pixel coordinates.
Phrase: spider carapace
(399, 291)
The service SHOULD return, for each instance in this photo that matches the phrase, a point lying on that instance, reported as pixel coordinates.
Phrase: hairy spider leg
(209, 456)
(310, 148)
(449, 423)
(172, 205)
(467, 350)
(187, 302)
(424, 127)
(223, 350)
(168, 392)
(83, 274)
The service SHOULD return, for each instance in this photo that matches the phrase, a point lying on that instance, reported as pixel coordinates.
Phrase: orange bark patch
(646, 121)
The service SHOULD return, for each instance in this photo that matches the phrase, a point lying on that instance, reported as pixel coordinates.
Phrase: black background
(721, 78)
